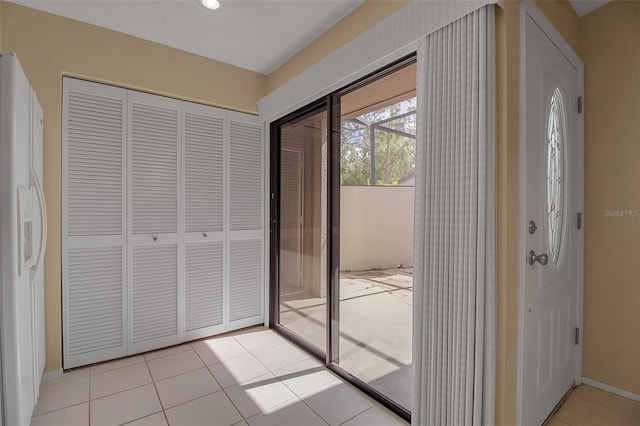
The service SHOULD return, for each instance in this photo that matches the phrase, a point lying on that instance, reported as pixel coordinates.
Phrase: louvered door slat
(154, 169)
(203, 145)
(245, 177)
(94, 284)
(203, 285)
(245, 279)
(95, 129)
(154, 292)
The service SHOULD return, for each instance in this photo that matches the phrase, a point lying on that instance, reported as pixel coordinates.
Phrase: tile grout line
(167, 349)
(223, 363)
(297, 397)
(59, 409)
(341, 381)
(174, 375)
(607, 408)
(300, 398)
(121, 391)
(221, 387)
(278, 378)
(89, 410)
(164, 413)
(335, 376)
(353, 417)
(109, 361)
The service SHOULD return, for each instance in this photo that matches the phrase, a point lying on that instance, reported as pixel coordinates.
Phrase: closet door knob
(204, 235)
(154, 238)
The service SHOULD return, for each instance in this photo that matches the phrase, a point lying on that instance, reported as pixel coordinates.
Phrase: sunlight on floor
(250, 377)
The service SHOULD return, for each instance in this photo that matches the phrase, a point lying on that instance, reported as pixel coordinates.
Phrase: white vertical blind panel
(154, 156)
(94, 172)
(245, 177)
(95, 304)
(154, 292)
(203, 146)
(454, 236)
(203, 285)
(245, 279)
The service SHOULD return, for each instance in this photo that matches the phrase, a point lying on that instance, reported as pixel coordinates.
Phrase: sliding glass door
(302, 256)
(377, 158)
(342, 231)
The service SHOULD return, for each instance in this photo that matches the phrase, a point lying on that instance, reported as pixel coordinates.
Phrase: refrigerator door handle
(43, 222)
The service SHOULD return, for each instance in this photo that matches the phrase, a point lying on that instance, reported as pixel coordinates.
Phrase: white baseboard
(611, 389)
(52, 375)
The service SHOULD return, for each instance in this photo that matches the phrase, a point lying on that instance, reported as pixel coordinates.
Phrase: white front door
(553, 186)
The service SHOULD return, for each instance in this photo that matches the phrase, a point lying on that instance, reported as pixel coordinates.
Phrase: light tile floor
(589, 406)
(253, 377)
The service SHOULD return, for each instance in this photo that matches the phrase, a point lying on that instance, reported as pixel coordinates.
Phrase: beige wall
(361, 19)
(49, 47)
(609, 42)
(564, 18)
(376, 227)
(507, 159)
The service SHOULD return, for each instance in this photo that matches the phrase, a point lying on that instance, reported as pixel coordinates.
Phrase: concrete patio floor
(375, 328)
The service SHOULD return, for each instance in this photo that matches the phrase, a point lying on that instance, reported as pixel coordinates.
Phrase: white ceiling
(582, 7)
(258, 35)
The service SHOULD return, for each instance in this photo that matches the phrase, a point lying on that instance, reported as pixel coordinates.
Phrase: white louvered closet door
(162, 222)
(154, 188)
(93, 226)
(204, 151)
(245, 236)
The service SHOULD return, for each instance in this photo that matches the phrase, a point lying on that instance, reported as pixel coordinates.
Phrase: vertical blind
(454, 240)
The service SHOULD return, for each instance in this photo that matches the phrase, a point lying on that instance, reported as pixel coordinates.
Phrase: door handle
(542, 259)
(43, 226)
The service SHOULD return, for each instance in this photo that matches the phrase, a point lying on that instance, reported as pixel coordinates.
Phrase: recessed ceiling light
(211, 4)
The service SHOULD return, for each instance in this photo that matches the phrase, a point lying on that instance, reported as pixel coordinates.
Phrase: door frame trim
(529, 9)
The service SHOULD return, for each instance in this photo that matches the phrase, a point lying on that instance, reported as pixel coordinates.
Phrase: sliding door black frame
(331, 104)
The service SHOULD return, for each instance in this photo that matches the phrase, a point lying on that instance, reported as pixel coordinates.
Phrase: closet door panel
(93, 222)
(154, 165)
(94, 164)
(203, 285)
(95, 304)
(246, 218)
(154, 293)
(204, 194)
(154, 244)
(245, 174)
(204, 170)
(245, 276)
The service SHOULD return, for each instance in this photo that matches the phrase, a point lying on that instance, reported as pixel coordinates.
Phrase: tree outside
(395, 146)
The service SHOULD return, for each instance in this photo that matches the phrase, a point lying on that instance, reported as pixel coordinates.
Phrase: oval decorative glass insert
(555, 174)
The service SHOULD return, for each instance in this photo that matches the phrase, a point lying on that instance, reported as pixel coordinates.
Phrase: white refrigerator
(22, 244)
